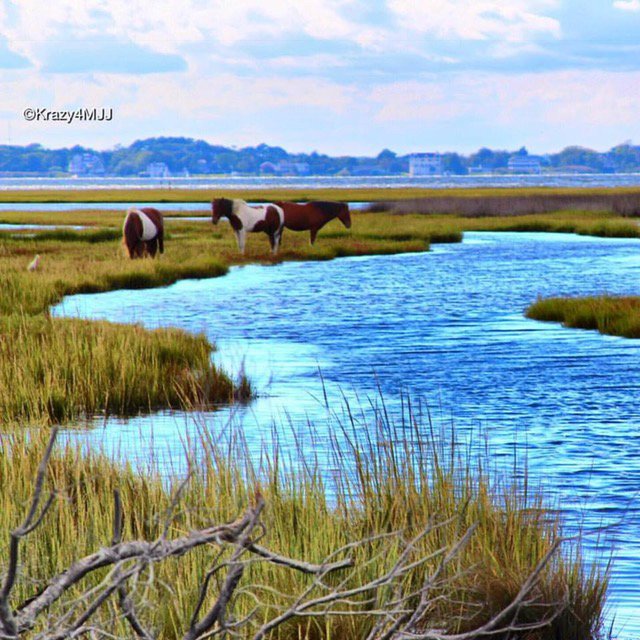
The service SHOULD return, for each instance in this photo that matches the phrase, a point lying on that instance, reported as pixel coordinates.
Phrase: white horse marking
(149, 230)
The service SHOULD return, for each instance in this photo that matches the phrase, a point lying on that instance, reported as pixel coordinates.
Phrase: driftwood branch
(10, 625)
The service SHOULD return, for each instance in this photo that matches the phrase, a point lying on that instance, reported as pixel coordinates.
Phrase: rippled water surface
(447, 326)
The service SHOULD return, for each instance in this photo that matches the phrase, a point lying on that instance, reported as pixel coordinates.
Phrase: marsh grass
(64, 235)
(476, 203)
(92, 260)
(384, 479)
(589, 223)
(58, 370)
(613, 315)
(272, 194)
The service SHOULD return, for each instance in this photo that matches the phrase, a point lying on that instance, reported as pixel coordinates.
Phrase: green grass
(381, 484)
(613, 315)
(365, 194)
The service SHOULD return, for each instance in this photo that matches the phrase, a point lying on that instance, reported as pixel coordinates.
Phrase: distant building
(288, 168)
(425, 164)
(524, 164)
(86, 164)
(158, 170)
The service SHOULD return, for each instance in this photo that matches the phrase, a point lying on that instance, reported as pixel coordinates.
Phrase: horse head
(344, 216)
(220, 208)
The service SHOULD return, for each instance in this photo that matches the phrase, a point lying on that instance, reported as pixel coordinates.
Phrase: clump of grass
(613, 315)
(68, 235)
(58, 370)
(385, 479)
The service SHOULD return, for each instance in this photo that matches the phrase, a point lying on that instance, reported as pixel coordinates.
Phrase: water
(101, 206)
(347, 182)
(447, 325)
(6, 226)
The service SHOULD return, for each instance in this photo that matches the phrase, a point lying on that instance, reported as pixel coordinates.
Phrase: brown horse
(312, 216)
(143, 232)
(243, 218)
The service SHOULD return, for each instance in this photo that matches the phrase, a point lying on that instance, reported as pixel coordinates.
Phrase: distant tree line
(197, 157)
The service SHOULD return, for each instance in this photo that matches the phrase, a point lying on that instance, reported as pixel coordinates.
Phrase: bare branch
(31, 521)
(217, 611)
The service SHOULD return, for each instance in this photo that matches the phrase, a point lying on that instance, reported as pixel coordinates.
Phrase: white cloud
(553, 99)
(627, 5)
(514, 21)
(169, 26)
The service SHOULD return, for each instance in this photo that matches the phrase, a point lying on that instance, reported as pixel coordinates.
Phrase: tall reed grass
(385, 479)
(56, 370)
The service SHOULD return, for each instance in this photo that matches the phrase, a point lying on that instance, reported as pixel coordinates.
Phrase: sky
(335, 76)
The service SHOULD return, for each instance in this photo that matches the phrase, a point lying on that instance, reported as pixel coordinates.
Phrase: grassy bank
(511, 202)
(63, 370)
(588, 223)
(54, 370)
(385, 493)
(617, 316)
(385, 194)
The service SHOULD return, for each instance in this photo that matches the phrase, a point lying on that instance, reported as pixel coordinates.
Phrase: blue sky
(336, 76)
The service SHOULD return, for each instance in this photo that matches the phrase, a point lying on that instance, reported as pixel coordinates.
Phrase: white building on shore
(524, 164)
(425, 164)
(158, 170)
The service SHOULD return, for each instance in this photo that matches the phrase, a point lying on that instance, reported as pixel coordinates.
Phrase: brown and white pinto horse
(243, 218)
(143, 232)
(312, 216)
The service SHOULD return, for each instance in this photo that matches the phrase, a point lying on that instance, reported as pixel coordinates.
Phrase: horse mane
(223, 207)
(329, 208)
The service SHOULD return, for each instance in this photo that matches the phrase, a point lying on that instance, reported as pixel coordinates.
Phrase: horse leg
(152, 247)
(241, 237)
(274, 241)
(161, 241)
(312, 235)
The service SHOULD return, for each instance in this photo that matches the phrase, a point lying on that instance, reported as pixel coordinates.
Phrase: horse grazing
(312, 216)
(143, 232)
(244, 219)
